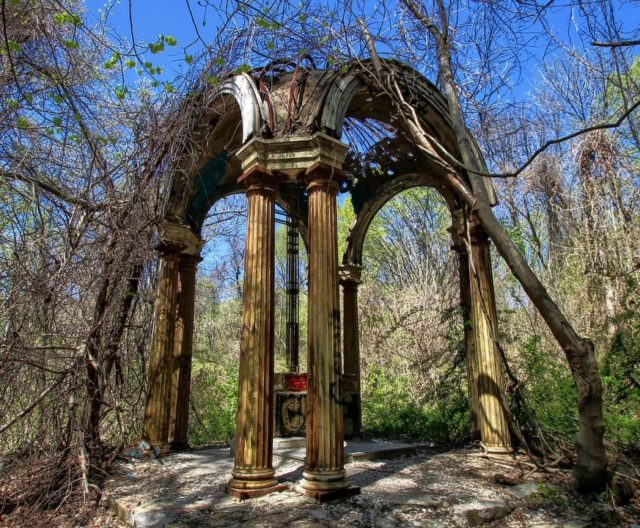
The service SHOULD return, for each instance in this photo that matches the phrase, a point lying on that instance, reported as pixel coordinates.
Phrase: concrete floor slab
(353, 450)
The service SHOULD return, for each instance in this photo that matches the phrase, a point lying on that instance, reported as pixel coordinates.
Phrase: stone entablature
(292, 156)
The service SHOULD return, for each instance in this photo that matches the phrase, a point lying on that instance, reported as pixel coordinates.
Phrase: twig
(618, 44)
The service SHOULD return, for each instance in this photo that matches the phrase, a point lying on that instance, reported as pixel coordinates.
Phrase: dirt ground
(433, 489)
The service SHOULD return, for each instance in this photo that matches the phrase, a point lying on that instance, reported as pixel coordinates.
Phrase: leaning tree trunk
(591, 464)
(590, 471)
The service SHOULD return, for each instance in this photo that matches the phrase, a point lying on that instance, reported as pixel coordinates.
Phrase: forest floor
(433, 488)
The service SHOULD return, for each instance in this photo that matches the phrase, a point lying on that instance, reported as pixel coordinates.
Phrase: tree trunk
(93, 361)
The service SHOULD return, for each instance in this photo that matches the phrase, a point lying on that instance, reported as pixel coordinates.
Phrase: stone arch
(231, 113)
(336, 103)
(244, 90)
(360, 226)
(359, 87)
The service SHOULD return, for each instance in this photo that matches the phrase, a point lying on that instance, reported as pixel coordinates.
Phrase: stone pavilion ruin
(276, 134)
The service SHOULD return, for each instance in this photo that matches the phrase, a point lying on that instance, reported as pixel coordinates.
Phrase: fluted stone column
(349, 276)
(324, 475)
(487, 363)
(182, 350)
(159, 395)
(253, 473)
(469, 343)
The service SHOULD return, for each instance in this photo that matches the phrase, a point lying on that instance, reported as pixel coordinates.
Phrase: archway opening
(217, 318)
(412, 354)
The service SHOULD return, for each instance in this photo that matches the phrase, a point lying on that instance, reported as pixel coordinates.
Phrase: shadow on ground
(431, 489)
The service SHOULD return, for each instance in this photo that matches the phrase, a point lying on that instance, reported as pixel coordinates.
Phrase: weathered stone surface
(324, 464)
(479, 512)
(292, 155)
(290, 413)
(523, 491)
(576, 523)
(253, 472)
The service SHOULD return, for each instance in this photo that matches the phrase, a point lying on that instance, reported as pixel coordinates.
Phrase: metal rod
(293, 289)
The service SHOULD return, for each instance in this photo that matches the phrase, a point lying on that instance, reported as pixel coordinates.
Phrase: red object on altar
(295, 382)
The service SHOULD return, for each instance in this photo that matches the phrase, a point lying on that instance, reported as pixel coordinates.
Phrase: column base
(244, 494)
(180, 445)
(160, 448)
(247, 484)
(328, 494)
(326, 486)
(497, 450)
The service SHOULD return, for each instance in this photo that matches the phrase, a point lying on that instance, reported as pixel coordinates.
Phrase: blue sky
(172, 17)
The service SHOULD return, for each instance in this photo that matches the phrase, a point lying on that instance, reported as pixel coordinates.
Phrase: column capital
(260, 179)
(466, 225)
(189, 261)
(350, 274)
(178, 239)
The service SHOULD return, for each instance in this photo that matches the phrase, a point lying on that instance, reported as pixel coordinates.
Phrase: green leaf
(57, 121)
(121, 91)
(130, 63)
(243, 68)
(65, 17)
(14, 46)
(270, 44)
(171, 41)
(113, 60)
(58, 99)
(220, 61)
(212, 81)
(12, 103)
(156, 47)
(262, 23)
(71, 44)
(168, 88)
(188, 58)
(22, 122)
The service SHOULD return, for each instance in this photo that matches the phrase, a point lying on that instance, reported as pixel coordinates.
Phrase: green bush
(548, 393)
(621, 384)
(389, 410)
(214, 395)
